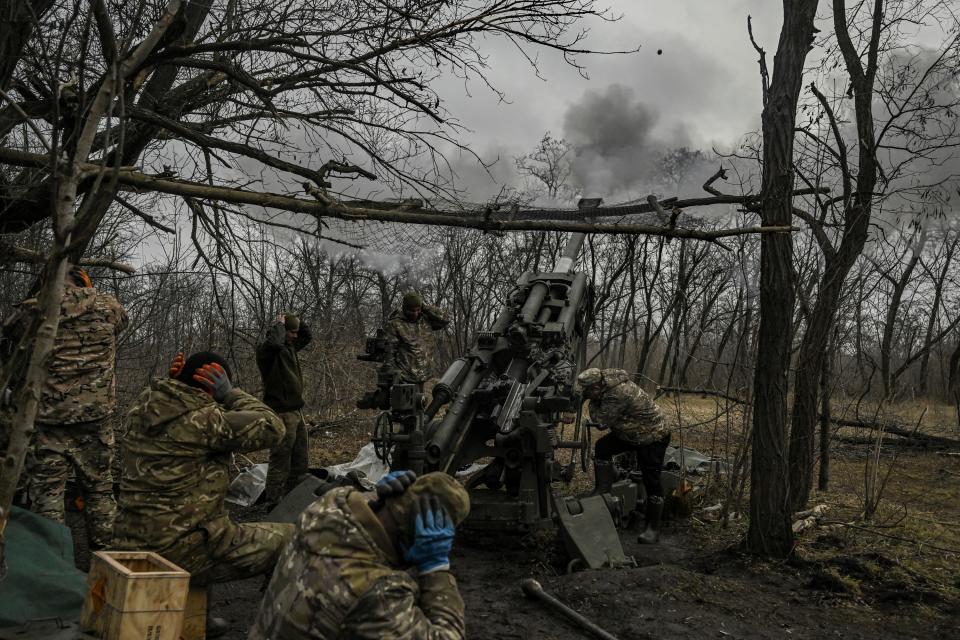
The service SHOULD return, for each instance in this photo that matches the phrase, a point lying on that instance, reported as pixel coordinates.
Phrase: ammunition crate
(134, 595)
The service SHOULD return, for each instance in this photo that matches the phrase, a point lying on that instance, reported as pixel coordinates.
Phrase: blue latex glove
(432, 537)
(392, 485)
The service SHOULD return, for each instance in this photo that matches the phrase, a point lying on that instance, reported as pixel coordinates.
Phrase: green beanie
(412, 299)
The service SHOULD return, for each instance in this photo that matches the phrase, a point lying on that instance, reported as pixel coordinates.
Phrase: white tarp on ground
(366, 463)
(250, 483)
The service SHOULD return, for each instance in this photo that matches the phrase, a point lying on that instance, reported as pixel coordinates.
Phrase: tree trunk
(857, 209)
(770, 532)
(890, 325)
(826, 382)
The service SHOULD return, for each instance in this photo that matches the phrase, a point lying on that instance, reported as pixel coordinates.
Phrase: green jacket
(280, 367)
(340, 577)
(176, 460)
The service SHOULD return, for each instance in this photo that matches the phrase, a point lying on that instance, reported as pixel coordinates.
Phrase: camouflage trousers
(87, 448)
(289, 459)
(221, 551)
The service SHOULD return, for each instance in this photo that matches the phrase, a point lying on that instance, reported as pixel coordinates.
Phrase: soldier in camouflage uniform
(73, 424)
(343, 574)
(636, 424)
(410, 332)
(176, 468)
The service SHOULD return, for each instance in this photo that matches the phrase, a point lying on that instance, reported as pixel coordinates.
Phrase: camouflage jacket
(414, 344)
(176, 460)
(340, 578)
(627, 410)
(80, 385)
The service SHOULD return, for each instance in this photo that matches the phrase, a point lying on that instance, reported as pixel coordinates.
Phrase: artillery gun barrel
(568, 315)
(570, 253)
(447, 387)
(456, 418)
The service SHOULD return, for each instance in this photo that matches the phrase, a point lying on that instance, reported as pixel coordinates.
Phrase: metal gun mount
(503, 401)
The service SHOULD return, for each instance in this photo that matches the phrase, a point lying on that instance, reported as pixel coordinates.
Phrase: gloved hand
(432, 538)
(391, 485)
(215, 380)
(177, 365)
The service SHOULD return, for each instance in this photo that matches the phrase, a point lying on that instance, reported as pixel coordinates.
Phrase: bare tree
(770, 530)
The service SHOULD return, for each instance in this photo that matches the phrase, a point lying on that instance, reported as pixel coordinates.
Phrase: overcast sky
(703, 90)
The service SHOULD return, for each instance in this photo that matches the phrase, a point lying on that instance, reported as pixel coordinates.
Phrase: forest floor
(894, 576)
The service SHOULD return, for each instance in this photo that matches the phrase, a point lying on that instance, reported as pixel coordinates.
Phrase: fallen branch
(919, 543)
(897, 429)
(891, 428)
(803, 520)
(402, 213)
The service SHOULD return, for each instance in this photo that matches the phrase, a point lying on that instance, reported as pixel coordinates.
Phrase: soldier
(176, 468)
(78, 398)
(636, 424)
(343, 574)
(283, 392)
(410, 332)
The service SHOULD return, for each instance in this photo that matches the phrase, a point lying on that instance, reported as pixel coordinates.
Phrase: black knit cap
(197, 360)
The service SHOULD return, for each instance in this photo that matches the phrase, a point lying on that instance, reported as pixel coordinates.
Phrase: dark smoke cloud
(620, 148)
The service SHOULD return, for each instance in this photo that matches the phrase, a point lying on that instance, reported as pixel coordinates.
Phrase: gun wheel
(382, 429)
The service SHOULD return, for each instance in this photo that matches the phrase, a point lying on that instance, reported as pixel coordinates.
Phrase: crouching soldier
(176, 468)
(636, 424)
(344, 574)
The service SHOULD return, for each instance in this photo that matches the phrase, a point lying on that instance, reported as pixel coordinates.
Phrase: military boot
(604, 475)
(651, 534)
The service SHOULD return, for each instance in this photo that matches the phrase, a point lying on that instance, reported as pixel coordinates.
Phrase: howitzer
(504, 400)
(505, 397)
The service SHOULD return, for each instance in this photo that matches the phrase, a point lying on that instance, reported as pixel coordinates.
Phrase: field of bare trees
(791, 299)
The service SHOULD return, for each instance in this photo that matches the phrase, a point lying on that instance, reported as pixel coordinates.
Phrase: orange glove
(177, 365)
(215, 380)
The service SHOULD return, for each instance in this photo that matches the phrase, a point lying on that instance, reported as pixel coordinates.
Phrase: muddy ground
(896, 576)
(674, 592)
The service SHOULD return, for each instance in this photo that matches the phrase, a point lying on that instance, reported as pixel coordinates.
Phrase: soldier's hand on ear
(391, 485)
(215, 380)
(432, 537)
(177, 365)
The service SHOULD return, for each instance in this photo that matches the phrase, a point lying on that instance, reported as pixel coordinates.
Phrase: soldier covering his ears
(344, 573)
(176, 468)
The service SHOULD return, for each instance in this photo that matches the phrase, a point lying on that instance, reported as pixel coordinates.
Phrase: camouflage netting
(409, 239)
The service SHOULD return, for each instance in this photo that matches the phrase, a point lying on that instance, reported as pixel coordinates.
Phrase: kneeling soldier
(176, 468)
(637, 425)
(344, 573)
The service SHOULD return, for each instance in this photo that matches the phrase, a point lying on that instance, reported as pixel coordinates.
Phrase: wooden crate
(195, 615)
(134, 595)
